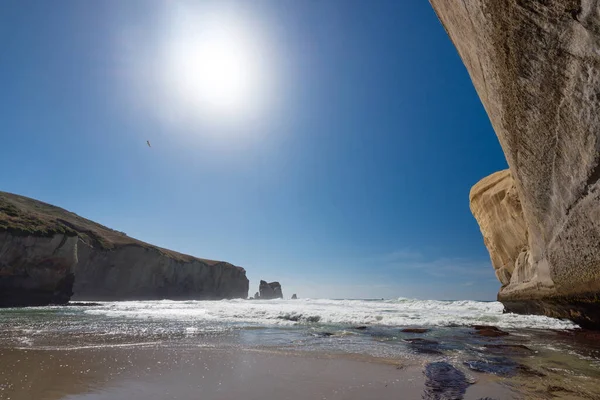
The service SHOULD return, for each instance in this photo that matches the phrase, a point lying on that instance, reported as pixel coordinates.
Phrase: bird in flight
(148, 142)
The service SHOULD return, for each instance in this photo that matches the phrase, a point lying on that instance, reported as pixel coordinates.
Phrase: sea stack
(48, 254)
(536, 68)
(269, 291)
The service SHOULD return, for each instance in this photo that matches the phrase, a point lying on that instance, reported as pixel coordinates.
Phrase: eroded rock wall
(536, 68)
(496, 206)
(138, 273)
(36, 270)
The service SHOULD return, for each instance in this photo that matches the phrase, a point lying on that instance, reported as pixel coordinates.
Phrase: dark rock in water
(489, 331)
(294, 297)
(502, 366)
(290, 317)
(323, 334)
(482, 327)
(269, 291)
(424, 346)
(257, 296)
(360, 328)
(553, 389)
(415, 330)
(444, 382)
(525, 370)
(80, 304)
(587, 342)
(420, 341)
(583, 336)
(479, 327)
(299, 317)
(513, 349)
(427, 350)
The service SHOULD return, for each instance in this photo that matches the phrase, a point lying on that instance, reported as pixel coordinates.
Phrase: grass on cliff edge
(23, 216)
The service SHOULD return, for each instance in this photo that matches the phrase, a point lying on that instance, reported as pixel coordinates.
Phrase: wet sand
(160, 373)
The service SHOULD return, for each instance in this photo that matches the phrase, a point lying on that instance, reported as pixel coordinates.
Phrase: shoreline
(258, 349)
(166, 372)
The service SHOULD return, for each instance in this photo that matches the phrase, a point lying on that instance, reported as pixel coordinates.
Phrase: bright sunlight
(214, 65)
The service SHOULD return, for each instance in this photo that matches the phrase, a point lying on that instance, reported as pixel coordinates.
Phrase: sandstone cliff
(536, 68)
(496, 206)
(47, 253)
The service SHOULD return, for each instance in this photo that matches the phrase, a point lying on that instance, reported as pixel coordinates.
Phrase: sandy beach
(159, 373)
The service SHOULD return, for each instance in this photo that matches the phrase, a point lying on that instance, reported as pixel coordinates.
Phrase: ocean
(534, 352)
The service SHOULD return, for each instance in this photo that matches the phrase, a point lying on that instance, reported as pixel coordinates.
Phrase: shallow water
(541, 357)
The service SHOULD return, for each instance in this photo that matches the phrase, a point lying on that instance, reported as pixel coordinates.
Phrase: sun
(214, 65)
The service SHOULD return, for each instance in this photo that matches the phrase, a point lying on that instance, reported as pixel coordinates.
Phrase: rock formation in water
(536, 68)
(444, 381)
(269, 291)
(294, 297)
(47, 253)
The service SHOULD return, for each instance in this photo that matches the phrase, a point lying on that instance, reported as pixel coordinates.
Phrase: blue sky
(351, 179)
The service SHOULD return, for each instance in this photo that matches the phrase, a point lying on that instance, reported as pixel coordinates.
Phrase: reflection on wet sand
(159, 373)
(172, 350)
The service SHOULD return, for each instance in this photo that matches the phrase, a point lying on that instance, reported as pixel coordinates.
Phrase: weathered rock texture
(36, 270)
(269, 291)
(496, 206)
(536, 67)
(47, 253)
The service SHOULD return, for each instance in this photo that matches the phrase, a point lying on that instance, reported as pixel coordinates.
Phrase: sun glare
(214, 65)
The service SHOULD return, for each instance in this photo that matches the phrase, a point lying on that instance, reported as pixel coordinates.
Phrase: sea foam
(398, 312)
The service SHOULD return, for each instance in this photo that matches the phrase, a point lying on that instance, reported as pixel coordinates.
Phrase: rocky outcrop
(444, 381)
(496, 206)
(269, 291)
(47, 254)
(294, 297)
(536, 68)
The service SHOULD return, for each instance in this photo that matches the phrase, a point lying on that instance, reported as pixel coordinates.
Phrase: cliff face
(47, 253)
(496, 206)
(536, 68)
(36, 270)
(134, 272)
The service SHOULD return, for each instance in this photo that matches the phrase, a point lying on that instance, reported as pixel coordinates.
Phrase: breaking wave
(272, 313)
